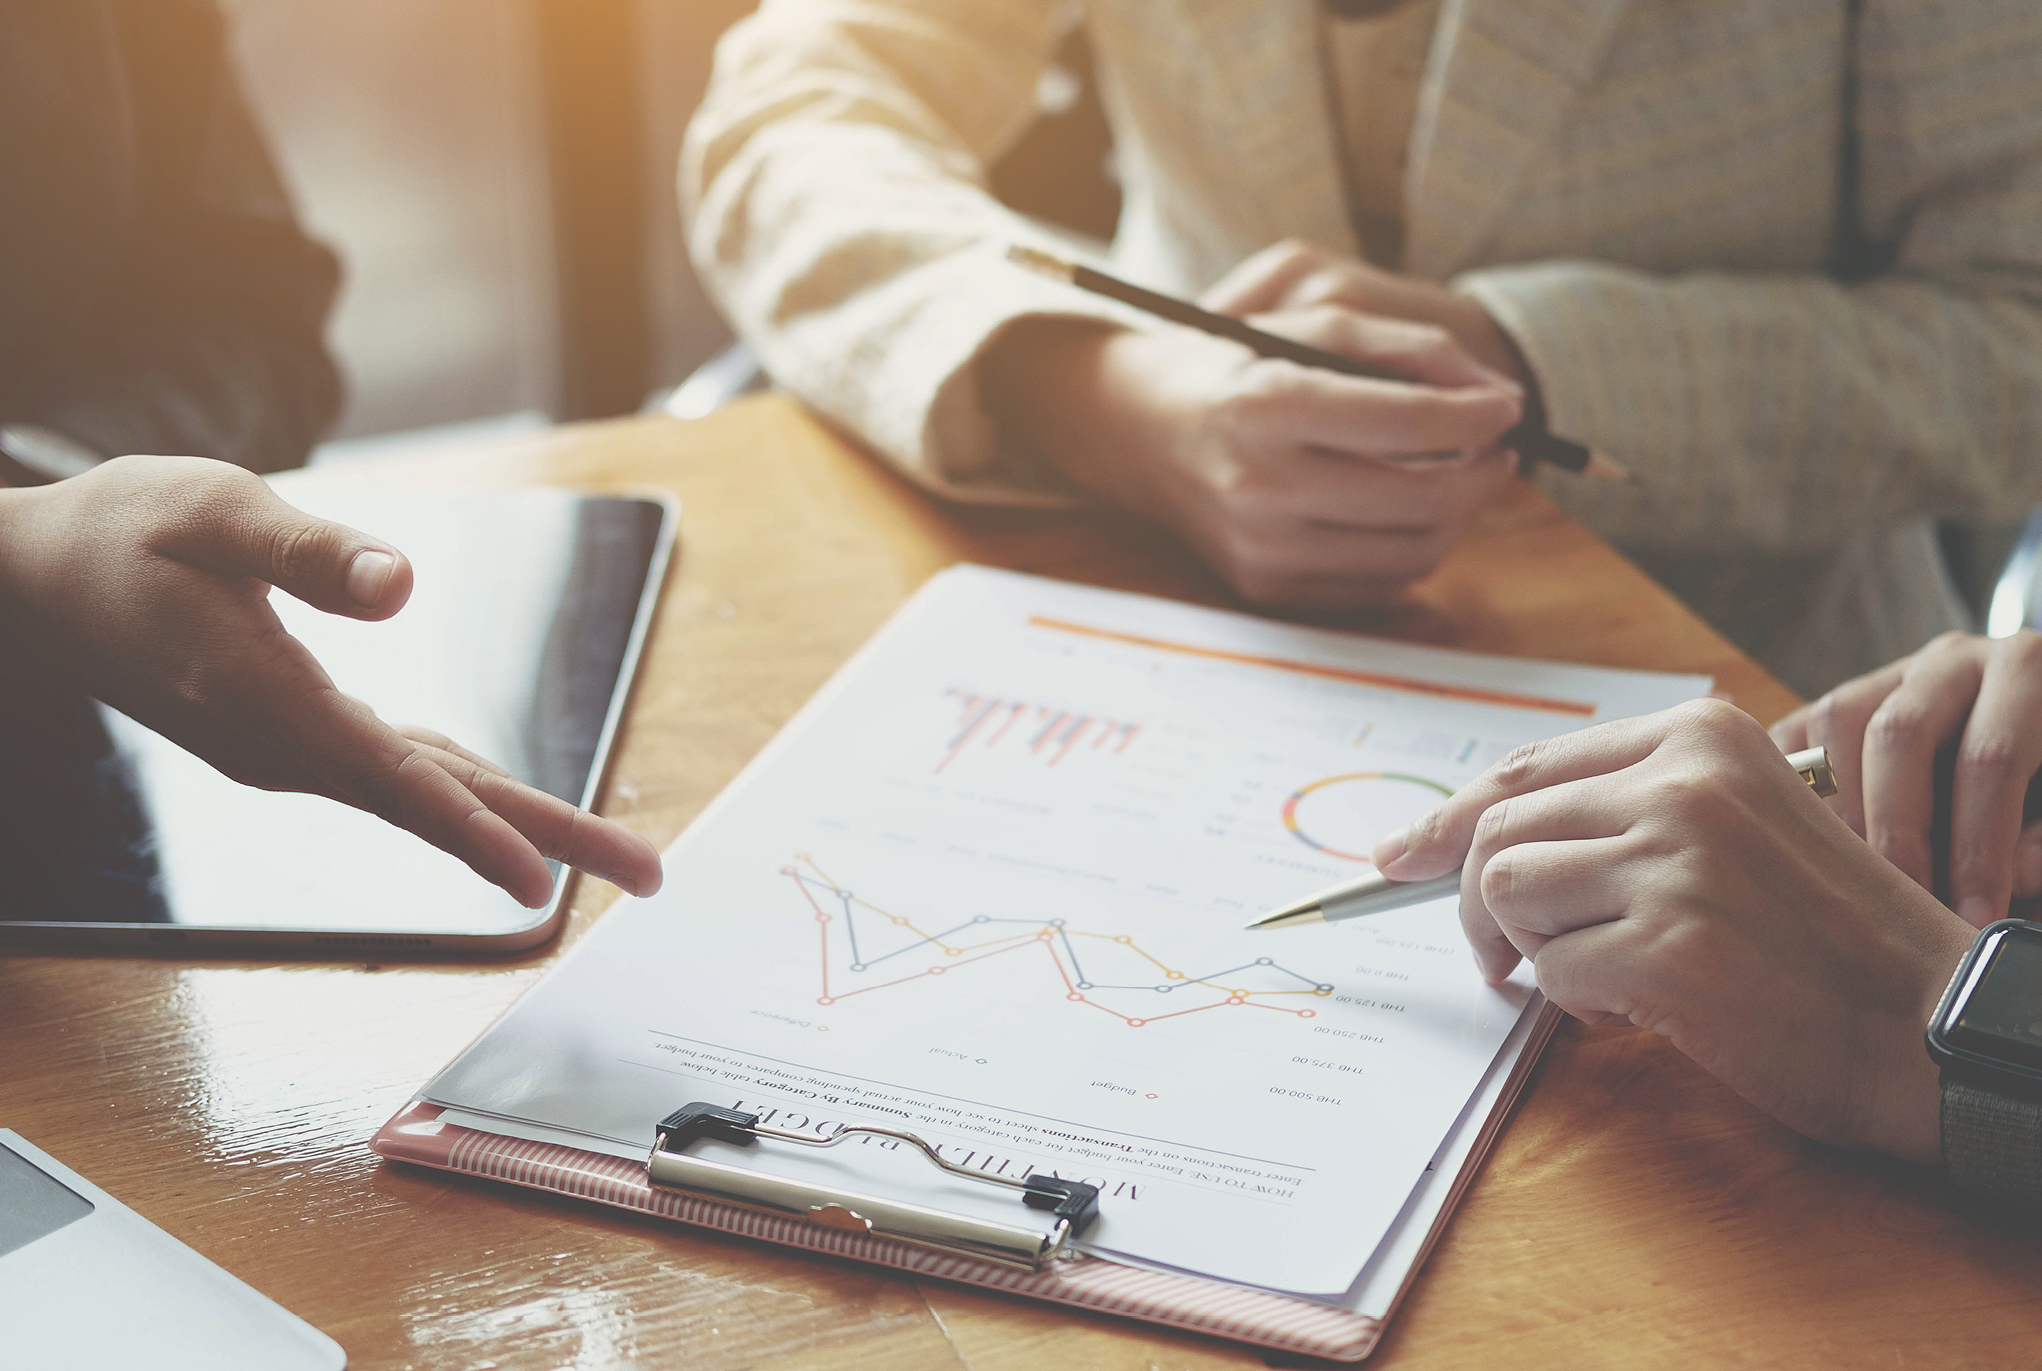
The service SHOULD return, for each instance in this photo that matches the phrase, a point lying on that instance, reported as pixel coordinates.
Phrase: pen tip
(1307, 913)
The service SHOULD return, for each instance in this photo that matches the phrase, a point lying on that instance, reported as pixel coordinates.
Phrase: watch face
(2002, 1016)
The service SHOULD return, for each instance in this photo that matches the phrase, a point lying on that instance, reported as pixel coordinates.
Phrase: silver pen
(1376, 893)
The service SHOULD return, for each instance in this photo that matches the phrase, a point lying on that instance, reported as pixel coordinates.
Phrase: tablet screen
(515, 643)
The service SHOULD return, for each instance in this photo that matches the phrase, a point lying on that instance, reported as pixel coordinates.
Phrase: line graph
(1048, 733)
(1107, 971)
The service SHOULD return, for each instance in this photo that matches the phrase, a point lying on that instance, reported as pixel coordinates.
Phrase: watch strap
(1992, 1141)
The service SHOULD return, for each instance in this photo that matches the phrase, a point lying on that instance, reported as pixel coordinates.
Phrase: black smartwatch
(1987, 1037)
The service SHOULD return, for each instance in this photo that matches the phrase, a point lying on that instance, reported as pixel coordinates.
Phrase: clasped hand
(145, 583)
(1976, 702)
(1282, 477)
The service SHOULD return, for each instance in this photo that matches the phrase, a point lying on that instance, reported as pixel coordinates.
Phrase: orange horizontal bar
(1336, 673)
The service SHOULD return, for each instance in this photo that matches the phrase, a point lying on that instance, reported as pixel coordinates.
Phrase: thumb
(252, 531)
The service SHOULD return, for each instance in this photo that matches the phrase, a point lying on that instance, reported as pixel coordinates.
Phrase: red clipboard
(418, 1135)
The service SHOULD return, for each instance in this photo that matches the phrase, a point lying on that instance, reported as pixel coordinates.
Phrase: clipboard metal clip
(1071, 1205)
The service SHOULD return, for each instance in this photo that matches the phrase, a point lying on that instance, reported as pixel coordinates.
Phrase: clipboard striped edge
(1238, 1314)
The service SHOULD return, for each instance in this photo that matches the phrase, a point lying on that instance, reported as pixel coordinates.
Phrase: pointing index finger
(1438, 842)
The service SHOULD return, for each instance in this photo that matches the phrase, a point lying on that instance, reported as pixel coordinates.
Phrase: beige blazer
(1781, 257)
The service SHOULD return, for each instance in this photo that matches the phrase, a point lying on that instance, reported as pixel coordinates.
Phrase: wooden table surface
(1634, 1214)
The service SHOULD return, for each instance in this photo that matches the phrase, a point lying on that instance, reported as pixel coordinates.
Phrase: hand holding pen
(1284, 477)
(1379, 893)
(1672, 872)
(1267, 283)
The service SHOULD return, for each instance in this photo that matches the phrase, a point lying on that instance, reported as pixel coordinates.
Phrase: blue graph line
(859, 962)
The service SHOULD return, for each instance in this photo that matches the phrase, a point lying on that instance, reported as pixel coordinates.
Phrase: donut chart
(1343, 815)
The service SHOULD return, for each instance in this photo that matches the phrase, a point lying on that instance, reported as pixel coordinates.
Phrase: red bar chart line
(1013, 712)
(1071, 736)
(963, 740)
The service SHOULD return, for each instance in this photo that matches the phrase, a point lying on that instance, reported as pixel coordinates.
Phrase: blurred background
(498, 178)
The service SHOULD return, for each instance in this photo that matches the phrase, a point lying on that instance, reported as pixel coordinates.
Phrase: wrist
(1489, 342)
(1906, 1112)
(1052, 389)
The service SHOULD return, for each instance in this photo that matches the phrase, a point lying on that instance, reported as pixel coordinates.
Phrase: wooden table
(1635, 1214)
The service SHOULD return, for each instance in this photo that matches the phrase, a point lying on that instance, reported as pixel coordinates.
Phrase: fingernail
(367, 576)
(1390, 847)
(1975, 910)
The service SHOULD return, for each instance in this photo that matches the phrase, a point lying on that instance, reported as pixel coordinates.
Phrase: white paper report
(990, 885)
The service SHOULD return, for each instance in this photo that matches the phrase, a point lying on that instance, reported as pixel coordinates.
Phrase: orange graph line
(1337, 673)
(932, 971)
(1044, 937)
(822, 928)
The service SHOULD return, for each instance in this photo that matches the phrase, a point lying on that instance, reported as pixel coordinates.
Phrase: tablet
(519, 642)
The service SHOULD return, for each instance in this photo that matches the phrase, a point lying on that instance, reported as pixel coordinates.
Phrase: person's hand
(145, 583)
(1291, 276)
(1279, 475)
(1979, 698)
(1673, 872)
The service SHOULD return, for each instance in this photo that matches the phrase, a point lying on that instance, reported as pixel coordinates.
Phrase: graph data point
(1308, 1013)
(1054, 936)
(1152, 1097)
